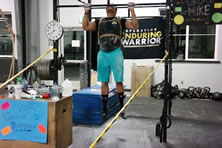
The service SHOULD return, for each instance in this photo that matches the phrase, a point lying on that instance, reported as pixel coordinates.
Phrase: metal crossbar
(102, 6)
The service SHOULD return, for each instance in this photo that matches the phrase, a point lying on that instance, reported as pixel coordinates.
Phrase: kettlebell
(217, 96)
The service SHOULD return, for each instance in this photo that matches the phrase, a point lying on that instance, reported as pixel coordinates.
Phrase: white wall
(184, 74)
(45, 16)
(6, 5)
(70, 17)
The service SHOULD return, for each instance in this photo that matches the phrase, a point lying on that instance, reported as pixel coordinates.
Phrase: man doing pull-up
(110, 56)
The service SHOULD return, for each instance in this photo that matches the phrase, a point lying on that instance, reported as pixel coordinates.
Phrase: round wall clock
(54, 30)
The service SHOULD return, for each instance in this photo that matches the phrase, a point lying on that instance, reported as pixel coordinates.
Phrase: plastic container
(35, 86)
(67, 88)
(18, 81)
(42, 90)
(11, 90)
(18, 91)
(55, 92)
(25, 84)
(18, 88)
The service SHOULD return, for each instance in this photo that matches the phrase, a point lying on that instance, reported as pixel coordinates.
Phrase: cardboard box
(59, 127)
(93, 78)
(138, 75)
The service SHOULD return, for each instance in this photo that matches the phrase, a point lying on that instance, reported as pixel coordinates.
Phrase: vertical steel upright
(24, 61)
(171, 48)
(55, 45)
(164, 116)
(89, 49)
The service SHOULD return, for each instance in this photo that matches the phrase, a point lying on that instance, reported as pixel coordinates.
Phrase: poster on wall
(146, 42)
(188, 12)
(23, 120)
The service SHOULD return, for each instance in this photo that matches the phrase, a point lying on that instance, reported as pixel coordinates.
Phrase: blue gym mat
(88, 106)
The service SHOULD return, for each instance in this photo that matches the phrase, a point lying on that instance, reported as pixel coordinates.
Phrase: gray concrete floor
(196, 124)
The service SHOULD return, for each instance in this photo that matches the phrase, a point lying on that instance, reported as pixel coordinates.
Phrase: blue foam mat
(95, 90)
(88, 106)
(96, 118)
(93, 102)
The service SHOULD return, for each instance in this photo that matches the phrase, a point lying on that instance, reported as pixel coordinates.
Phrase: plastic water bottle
(67, 88)
(18, 88)
(25, 84)
(35, 85)
(19, 81)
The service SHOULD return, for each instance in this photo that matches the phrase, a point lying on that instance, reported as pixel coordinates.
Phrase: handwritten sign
(187, 12)
(23, 120)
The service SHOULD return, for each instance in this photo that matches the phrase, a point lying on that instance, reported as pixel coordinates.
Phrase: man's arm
(134, 23)
(86, 25)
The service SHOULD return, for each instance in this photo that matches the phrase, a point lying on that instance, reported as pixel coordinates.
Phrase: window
(73, 49)
(179, 42)
(74, 45)
(194, 42)
(201, 42)
(5, 37)
(162, 12)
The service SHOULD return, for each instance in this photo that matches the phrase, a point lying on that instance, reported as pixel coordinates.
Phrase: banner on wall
(146, 42)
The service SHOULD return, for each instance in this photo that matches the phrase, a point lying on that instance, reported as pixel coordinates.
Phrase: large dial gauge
(54, 30)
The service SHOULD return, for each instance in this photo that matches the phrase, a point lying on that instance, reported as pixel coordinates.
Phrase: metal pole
(128, 13)
(24, 62)
(171, 47)
(163, 119)
(164, 114)
(89, 50)
(55, 45)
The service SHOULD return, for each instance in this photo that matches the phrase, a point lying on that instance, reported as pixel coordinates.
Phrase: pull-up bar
(102, 6)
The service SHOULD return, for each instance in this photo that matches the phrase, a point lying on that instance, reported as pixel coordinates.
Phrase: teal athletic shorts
(110, 61)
